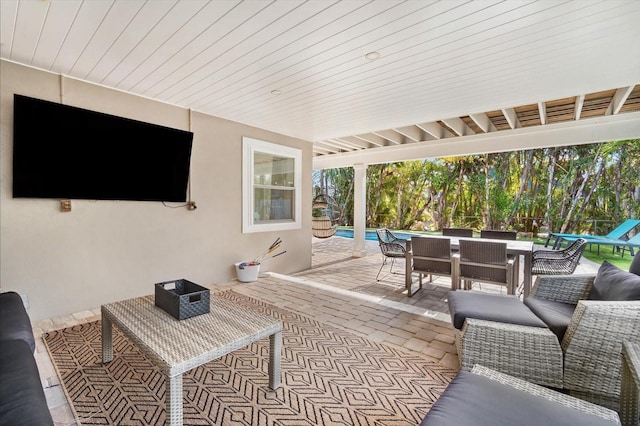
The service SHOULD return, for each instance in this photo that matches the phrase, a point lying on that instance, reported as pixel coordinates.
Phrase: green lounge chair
(623, 229)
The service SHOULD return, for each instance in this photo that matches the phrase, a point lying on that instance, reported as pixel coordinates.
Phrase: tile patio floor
(339, 290)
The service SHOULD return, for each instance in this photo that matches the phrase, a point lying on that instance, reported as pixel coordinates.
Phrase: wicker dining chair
(391, 247)
(487, 262)
(498, 235)
(457, 232)
(432, 256)
(558, 262)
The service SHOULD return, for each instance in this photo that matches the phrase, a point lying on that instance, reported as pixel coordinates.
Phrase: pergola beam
(372, 139)
(542, 110)
(410, 132)
(512, 118)
(435, 130)
(391, 136)
(483, 121)
(457, 125)
(584, 131)
(619, 98)
(578, 107)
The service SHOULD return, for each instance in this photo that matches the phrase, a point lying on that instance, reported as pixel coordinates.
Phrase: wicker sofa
(576, 347)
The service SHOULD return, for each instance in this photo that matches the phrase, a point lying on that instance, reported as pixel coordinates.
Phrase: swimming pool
(371, 235)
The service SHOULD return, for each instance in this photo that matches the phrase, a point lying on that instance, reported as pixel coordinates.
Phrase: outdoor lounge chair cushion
(471, 399)
(490, 307)
(634, 268)
(614, 284)
(557, 315)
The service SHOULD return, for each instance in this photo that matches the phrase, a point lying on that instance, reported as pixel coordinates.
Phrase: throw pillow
(634, 268)
(612, 283)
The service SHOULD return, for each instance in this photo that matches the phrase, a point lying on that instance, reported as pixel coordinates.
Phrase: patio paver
(339, 290)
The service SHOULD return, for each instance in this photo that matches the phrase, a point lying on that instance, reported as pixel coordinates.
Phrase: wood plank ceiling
(445, 69)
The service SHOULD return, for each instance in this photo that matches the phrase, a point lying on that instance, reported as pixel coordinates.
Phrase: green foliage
(558, 188)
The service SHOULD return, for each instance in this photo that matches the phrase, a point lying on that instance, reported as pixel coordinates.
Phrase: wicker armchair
(587, 361)
(557, 262)
(391, 247)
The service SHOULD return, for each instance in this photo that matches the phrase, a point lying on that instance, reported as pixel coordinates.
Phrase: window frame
(250, 147)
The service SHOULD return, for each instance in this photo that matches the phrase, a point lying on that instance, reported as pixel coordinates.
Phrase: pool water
(371, 235)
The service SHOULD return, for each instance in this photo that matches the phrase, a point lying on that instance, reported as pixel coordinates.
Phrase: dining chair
(486, 262)
(457, 232)
(391, 247)
(432, 256)
(498, 235)
(558, 262)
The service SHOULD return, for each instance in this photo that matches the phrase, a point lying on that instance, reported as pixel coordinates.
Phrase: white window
(271, 186)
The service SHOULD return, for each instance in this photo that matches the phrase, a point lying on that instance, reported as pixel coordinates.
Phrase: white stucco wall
(103, 251)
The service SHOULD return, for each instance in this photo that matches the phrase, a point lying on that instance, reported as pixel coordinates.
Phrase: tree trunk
(552, 167)
(486, 217)
(524, 179)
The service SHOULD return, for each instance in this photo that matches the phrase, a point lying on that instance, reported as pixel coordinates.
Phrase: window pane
(272, 204)
(273, 170)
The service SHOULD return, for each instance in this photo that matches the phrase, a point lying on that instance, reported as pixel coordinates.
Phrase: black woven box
(182, 299)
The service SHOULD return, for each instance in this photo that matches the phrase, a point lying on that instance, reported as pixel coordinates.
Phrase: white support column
(359, 209)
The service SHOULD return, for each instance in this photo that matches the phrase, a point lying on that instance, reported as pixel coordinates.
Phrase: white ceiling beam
(391, 136)
(336, 143)
(585, 131)
(435, 130)
(372, 139)
(326, 148)
(457, 125)
(578, 109)
(347, 143)
(619, 98)
(319, 150)
(358, 143)
(512, 118)
(483, 121)
(410, 132)
(542, 110)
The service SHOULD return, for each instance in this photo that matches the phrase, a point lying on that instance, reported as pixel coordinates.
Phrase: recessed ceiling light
(372, 56)
(276, 92)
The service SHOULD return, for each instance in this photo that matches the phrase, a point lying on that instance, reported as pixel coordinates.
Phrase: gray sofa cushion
(634, 268)
(556, 315)
(22, 400)
(489, 307)
(14, 320)
(471, 399)
(614, 284)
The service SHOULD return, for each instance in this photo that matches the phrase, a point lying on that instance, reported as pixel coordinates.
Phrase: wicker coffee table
(178, 346)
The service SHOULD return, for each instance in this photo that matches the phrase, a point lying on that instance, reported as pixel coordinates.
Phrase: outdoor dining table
(519, 248)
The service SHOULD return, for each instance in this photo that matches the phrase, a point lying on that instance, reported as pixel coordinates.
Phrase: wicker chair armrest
(563, 288)
(530, 353)
(630, 390)
(548, 254)
(548, 394)
(593, 343)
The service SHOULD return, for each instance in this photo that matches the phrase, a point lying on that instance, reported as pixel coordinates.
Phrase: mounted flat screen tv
(64, 152)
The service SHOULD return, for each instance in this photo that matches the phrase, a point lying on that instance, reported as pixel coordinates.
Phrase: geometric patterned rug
(329, 377)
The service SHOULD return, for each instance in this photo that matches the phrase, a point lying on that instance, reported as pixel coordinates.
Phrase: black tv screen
(65, 152)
